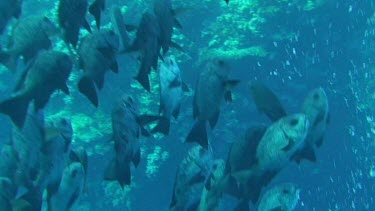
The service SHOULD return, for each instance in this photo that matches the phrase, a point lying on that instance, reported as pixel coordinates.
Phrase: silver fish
(316, 109)
(171, 92)
(70, 188)
(281, 197)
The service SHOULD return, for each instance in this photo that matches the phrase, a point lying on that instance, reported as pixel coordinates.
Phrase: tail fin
(16, 109)
(8, 61)
(71, 35)
(142, 78)
(198, 134)
(118, 171)
(96, 9)
(86, 87)
(162, 126)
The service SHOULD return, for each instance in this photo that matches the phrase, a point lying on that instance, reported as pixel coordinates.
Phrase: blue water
(330, 46)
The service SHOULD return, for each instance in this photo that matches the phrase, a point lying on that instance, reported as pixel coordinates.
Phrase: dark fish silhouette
(147, 43)
(266, 101)
(9, 9)
(29, 36)
(166, 17)
(48, 73)
(97, 54)
(96, 9)
(127, 127)
(213, 85)
(71, 16)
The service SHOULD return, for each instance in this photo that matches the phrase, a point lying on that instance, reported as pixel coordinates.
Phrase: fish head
(170, 64)
(289, 195)
(218, 167)
(112, 40)
(294, 129)
(317, 98)
(315, 106)
(66, 130)
(74, 174)
(220, 67)
(289, 189)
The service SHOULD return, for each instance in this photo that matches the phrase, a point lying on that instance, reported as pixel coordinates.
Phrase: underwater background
(292, 46)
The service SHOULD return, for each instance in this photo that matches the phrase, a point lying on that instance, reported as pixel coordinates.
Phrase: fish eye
(64, 122)
(286, 191)
(293, 122)
(316, 96)
(214, 166)
(74, 173)
(221, 62)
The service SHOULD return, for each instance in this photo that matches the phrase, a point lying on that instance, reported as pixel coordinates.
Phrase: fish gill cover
(292, 46)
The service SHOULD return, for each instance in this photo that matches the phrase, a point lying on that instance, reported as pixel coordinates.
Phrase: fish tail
(71, 35)
(198, 134)
(162, 126)
(95, 9)
(8, 60)
(16, 109)
(86, 86)
(142, 78)
(119, 172)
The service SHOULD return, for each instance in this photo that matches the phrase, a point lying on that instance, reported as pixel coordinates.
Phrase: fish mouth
(290, 140)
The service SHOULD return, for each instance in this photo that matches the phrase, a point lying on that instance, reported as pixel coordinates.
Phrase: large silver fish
(213, 190)
(70, 188)
(281, 140)
(316, 109)
(273, 152)
(190, 177)
(281, 197)
(55, 154)
(171, 92)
